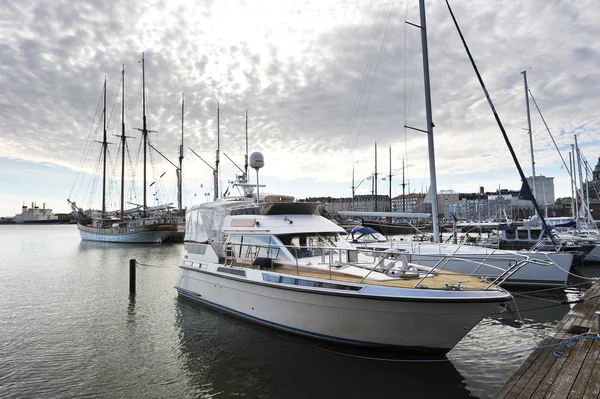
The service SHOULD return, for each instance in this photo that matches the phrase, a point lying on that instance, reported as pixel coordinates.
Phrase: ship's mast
(403, 185)
(390, 177)
(216, 171)
(530, 135)
(180, 170)
(144, 130)
(122, 143)
(104, 148)
(428, 112)
(246, 156)
(375, 177)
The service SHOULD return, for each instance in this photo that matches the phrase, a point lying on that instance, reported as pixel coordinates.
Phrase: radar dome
(257, 160)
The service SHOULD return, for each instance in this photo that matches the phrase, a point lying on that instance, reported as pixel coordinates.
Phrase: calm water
(69, 328)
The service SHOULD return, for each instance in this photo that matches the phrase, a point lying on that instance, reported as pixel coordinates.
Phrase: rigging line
(359, 92)
(87, 143)
(551, 136)
(525, 189)
(412, 89)
(374, 74)
(231, 131)
(556, 288)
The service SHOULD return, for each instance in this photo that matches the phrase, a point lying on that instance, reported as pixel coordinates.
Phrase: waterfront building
(544, 189)
(413, 203)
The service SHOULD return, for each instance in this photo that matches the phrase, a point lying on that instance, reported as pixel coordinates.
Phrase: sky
(323, 82)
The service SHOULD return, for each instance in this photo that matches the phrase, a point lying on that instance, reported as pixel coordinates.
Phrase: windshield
(306, 245)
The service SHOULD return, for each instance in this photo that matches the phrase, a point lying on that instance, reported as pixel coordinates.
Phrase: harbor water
(70, 329)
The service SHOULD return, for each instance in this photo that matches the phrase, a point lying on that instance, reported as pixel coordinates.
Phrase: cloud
(322, 82)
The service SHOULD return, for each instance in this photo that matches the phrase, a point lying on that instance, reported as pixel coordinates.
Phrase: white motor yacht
(279, 263)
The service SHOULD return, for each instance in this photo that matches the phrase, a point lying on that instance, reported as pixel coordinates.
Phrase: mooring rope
(147, 265)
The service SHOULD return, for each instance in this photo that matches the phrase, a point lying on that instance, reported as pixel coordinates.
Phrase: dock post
(132, 276)
(598, 321)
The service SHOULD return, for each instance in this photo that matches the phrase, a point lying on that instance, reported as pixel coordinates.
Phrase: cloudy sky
(323, 81)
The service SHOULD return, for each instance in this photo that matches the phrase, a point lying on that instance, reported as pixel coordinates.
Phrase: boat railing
(336, 257)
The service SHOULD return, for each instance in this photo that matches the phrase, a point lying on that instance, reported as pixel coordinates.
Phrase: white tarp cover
(204, 222)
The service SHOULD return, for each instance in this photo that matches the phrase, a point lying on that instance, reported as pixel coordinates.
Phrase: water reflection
(233, 357)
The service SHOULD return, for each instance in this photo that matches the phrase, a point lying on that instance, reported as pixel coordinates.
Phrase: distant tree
(563, 201)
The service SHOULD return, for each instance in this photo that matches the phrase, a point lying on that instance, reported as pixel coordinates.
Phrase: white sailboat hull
(411, 322)
(466, 260)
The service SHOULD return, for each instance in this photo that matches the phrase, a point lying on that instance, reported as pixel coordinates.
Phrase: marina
(311, 277)
(72, 328)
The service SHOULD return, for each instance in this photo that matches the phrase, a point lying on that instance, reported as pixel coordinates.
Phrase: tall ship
(141, 224)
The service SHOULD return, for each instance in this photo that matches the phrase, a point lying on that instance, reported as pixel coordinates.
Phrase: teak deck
(438, 281)
(575, 374)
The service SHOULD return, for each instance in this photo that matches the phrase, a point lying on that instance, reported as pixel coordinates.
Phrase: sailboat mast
(122, 142)
(104, 148)
(216, 171)
(573, 201)
(530, 134)
(584, 206)
(375, 177)
(180, 171)
(353, 188)
(246, 156)
(390, 177)
(403, 185)
(426, 81)
(144, 129)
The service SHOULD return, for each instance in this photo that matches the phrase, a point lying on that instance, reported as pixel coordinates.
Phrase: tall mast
(246, 156)
(574, 168)
(104, 148)
(180, 171)
(144, 129)
(353, 188)
(530, 134)
(375, 177)
(403, 185)
(573, 212)
(216, 171)
(432, 175)
(122, 143)
(390, 177)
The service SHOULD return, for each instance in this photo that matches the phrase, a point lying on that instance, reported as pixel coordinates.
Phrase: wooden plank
(543, 374)
(570, 371)
(584, 311)
(519, 374)
(586, 382)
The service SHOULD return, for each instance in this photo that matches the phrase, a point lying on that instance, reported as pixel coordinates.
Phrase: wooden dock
(575, 373)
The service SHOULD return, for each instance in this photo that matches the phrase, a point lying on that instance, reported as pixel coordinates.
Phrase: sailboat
(544, 269)
(139, 225)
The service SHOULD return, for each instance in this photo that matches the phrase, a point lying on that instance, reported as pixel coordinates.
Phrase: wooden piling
(132, 263)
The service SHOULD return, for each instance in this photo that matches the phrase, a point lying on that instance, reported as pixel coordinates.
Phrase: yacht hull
(408, 323)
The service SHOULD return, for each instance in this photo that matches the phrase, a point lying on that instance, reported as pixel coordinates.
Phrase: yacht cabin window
(306, 245)
(252, 247)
